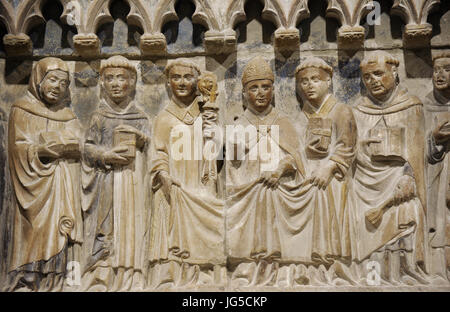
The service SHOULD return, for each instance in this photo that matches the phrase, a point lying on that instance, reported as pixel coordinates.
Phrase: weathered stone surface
(315, 69)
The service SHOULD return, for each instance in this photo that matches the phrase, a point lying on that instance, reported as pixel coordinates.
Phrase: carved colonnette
(219, 20)
(163, 186)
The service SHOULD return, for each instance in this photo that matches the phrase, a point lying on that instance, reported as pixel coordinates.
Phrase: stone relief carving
(417, 32)
(436, 118)
(386, 203)
(186, 245)
(349, 14)
(44, 151)
(329, 138)
(154, 183)
(16, 41)
(87, 43)
(283, 15)
(114, 183)
(261, 174)
(220, 21)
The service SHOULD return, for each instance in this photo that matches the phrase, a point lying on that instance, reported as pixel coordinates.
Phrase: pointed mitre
(257, 69)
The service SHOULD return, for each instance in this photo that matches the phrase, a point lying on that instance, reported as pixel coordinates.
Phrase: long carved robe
(281, 224)
(374, 182)
(3, 131)
(189, 227)
(338, 148)
(48, 212)
(115, 200)
(437, 110)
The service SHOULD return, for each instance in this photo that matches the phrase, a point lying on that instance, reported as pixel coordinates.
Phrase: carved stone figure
(268, 215)
(437, 117)
(3, 140)
(44, 149)
(114, 183)
(329, 135)
(320, 186)
(207, 85)
(385, 213)
(186, 245)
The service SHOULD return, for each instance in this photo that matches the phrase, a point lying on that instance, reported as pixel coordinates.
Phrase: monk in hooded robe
(43, 158)
(437, 120)
(385, 213)
(114, 183)
(186, 248)
(276, 235)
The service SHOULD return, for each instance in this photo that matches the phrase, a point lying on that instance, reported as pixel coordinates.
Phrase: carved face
(441, 74)
(54, 86)
(183, 83)
(259, 94)
(379, 79)
(118, 83)
(314, 84)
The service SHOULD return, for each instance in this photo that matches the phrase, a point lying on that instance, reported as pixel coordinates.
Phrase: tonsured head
(182, 77)
(380, 74)
(313, 80)
(118, 78)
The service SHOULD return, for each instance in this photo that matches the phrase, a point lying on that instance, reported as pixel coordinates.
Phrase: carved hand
(112, 157)
(441, 133)
(141, 137)
(270, 178)
(366, 143)
(405, 190)
(323, 176)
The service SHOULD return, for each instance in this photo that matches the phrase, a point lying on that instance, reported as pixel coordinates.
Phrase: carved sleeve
(346, 136)
(93, 151)
(159, 150)
(28, 172)
(436, 153)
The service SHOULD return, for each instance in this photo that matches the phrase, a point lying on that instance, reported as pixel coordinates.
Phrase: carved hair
(441, 55)
(314, 62)
(118, 61)
(184, 63)
(377, 57)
